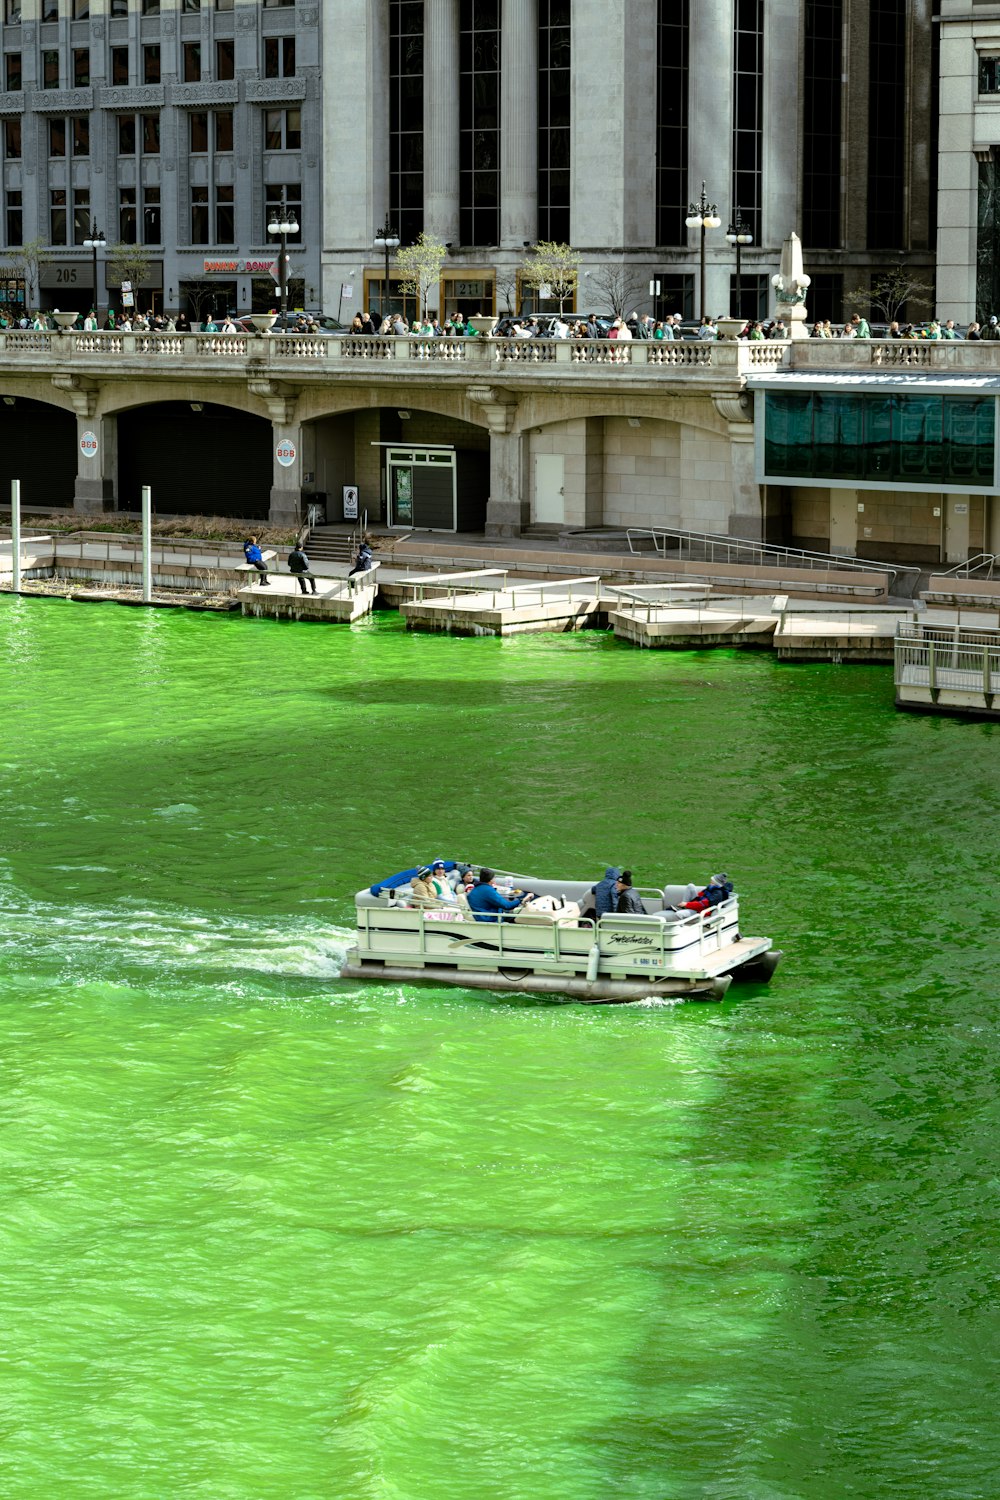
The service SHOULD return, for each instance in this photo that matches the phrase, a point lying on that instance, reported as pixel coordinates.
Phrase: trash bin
(316, 511)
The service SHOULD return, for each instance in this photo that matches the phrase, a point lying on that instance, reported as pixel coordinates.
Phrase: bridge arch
(199, 458)
(38, 445)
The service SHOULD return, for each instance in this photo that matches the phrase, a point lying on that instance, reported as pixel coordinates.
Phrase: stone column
(746, 517)
(96, 472)
(355, 140)
(783, 43)
(441, 119)
(519, 124)
(508, 510)
(710, 142)
(285, 507)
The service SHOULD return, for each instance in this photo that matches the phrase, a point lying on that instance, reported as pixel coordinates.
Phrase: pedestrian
(363, 561)
(298, 564)
(252, 553)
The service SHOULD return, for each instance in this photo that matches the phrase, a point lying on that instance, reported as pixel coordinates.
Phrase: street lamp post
(95, 241)
(738, 234)
(703, 215)
(388, 240)
(283, 223)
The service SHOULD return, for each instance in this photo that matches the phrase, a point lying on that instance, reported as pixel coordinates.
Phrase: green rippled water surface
(268, 1234)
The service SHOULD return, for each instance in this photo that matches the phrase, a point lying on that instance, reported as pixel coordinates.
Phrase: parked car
(318, 324)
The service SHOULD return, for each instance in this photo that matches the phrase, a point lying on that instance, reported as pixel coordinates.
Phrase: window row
(211, 214)
(208, 131)
(79, 10)
(278, 62)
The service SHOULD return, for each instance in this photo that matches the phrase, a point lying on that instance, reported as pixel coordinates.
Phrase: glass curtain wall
(554, 44)
(748, 112)
(406, 118)
(673, 42)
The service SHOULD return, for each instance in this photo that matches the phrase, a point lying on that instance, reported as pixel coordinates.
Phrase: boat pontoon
(557, 946)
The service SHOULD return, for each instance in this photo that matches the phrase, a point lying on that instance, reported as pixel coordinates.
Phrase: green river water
(269, 1234)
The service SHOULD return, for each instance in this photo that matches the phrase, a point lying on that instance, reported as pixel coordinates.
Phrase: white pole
(15, 533)
(147, 564)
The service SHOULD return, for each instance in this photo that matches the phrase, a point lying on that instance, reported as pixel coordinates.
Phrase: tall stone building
(175, 125)
(493, 123)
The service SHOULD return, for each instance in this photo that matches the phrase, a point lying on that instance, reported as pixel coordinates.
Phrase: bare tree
(128, 263)
(419, 268)
(507, 290)
(889, 293)
(619, 284)
(555, 267)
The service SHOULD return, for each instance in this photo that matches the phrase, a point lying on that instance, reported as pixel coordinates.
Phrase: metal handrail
(972, 565)
(794, 556)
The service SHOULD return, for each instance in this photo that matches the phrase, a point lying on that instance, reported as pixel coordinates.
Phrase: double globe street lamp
(283, 223)
(738, 234)
(388, 240)
(703, 215)
(95, 241)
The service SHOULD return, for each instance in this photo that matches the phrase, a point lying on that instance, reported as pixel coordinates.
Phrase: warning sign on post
(286, 453)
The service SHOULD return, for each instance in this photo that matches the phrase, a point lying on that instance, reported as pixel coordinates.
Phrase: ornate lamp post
(95, 241)
(283, 223)
(738, 234)
(386, 239)
(703, 215)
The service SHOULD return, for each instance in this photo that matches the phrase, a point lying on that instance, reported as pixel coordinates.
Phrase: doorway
(548, 500)
(844, 522)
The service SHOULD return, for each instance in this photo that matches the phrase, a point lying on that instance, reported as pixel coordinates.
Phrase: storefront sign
(286, 453)
(259, 267)
(240, 267)
(226, 267)
(470, 289)
(88, 444)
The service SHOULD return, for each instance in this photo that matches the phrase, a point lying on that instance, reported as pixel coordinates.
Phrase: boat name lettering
(621, 940)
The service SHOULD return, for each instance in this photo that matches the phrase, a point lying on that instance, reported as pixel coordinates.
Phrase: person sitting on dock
(252, 553)
(605, 893)
(486, 902)
(629, 900)
(363, 561)
(298, 564)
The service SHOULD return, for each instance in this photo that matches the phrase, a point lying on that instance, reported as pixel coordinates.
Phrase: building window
(282, 129)
(81, 10)
(753, 296)
(126, 215)
(192, 62)
(119, 7)
(12, 139)
(126, 135)
(673, 44)
(152, 234)
(151, 64)
(826, 297)
(886, 123)
(199, 216)
(50, 10)
(199, 133)
(81, 67)
(553, 120)
(273, 4)
(479, 122)
(406, 118)
(748, 112)
(293, 205)
(225, 216)
(191, 7)
(989, 75)
(57, 137)
(223, 130)
(821, 123)
(50, 70)
(151, 7)
(57, 217)
(150, 135)
(80, 135)
(225, 58)
(676, 295)
(15, 222)
(279, 57)
(119, 65)
(223, 4)
(12, 68)
(81, 215)
(12, 15)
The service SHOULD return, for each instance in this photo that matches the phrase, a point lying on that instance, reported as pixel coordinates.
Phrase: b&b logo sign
(285, 453)
(88, 444)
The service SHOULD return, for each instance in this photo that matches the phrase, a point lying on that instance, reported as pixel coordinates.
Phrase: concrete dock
(948, 668)
(483, 602)
(336, 600)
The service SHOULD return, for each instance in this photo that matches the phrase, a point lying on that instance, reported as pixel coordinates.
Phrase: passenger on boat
(486, 902)
(440, 882)
(605, 893)
(629, 900)
(719, 888)
(421, 884)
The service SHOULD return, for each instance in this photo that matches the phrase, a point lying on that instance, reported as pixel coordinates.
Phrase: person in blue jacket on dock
(252, 553)
(486, 902)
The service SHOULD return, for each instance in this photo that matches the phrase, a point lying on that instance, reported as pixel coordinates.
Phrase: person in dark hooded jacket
(605, 893)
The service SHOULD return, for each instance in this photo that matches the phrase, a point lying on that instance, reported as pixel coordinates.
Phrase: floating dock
(948, 669)
(336, 599)
(482, 602)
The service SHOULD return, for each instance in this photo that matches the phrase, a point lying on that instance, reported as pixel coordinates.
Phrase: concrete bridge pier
(96, 488)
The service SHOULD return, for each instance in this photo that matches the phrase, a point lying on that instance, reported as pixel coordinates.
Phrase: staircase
(333, 544)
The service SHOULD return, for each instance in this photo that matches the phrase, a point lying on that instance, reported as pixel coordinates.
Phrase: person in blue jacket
(253, 556)
(486, 902)
(605, 893)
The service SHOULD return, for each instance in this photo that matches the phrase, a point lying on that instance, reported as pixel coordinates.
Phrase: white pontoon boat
(555, 945)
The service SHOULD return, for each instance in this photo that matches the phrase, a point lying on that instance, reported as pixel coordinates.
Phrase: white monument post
(790, 288)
